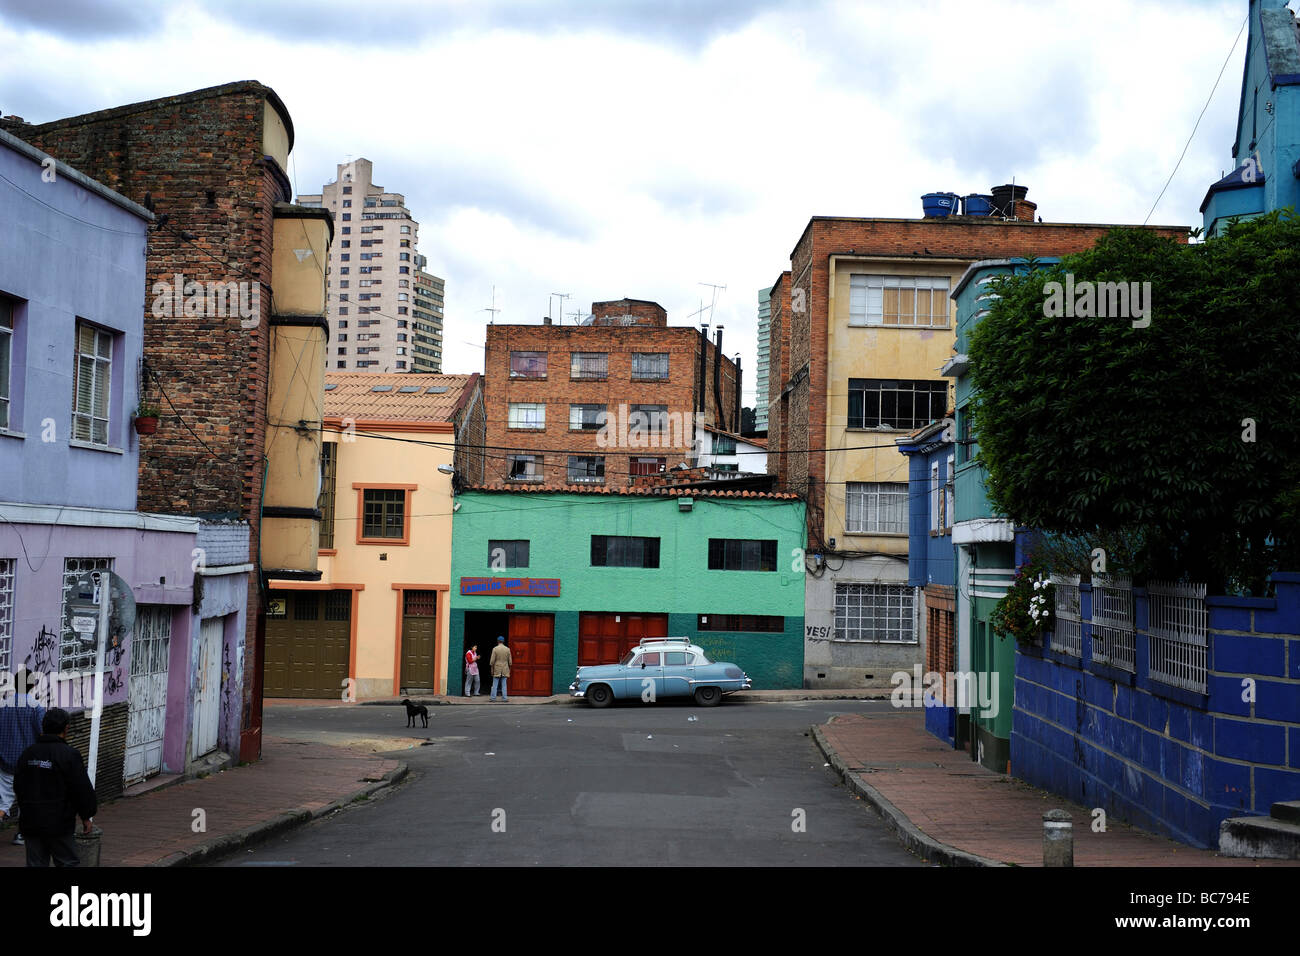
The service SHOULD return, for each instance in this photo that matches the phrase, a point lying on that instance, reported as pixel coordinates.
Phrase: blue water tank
(939, 205)
(978, 205)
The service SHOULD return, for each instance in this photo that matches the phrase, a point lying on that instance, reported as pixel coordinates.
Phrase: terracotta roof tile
(352, 394)
(647, 491)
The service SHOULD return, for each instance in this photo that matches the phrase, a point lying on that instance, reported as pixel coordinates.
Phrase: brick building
(859, 328)
(602, 402)
(234, 335)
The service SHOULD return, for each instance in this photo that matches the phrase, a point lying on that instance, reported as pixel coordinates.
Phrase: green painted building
(573, 576)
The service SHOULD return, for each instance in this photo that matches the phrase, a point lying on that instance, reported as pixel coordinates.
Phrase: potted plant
(146, 419)
(1026, 610)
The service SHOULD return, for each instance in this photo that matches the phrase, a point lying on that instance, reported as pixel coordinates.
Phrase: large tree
(1179, 428)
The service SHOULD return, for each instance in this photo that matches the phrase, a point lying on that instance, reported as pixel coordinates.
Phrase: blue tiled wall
(1165, 759)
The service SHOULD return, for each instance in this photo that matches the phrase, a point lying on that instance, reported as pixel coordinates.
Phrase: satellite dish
(121, 612)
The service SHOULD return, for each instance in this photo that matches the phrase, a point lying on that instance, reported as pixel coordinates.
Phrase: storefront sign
(510, 587)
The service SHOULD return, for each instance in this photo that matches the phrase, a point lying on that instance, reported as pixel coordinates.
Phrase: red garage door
(603, 638)
(532, 643)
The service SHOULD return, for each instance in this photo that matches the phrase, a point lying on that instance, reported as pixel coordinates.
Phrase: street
(635, 785)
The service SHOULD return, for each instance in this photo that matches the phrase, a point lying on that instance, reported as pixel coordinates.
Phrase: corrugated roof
(645, 491)
(393, 397)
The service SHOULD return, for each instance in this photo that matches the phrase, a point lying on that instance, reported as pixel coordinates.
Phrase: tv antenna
(492, 309)
(713, 301)
(551, 298)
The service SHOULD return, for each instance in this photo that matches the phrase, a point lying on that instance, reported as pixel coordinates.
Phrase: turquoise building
(986, 543)
(1266, 150)
(574, 576)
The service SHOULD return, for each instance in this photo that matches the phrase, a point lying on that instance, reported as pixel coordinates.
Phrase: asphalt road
(634, 785)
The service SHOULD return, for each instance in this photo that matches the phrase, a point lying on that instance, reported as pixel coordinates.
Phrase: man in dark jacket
(53, 790)
(20, 726)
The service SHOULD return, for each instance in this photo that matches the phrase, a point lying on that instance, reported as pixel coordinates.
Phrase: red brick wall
(199, 157)
(940, 637)
(556, 442)
(650, 313)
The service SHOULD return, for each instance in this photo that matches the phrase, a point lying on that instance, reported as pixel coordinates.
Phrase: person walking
(500, 662)
(53, 790)
(20, 726)
(471, 672)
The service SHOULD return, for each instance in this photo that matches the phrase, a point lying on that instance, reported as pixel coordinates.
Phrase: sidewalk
(293, 783)
(870, 693)
(948, 809)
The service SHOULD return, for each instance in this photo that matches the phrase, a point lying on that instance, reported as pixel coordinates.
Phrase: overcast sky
(642, 147)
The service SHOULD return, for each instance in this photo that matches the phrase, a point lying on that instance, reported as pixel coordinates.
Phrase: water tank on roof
(939, 205)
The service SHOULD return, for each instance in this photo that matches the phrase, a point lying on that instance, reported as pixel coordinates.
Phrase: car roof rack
(663, 640)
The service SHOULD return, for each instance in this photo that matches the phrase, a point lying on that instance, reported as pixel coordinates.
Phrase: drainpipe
(736, 404)
(704, 345)
(717, 383)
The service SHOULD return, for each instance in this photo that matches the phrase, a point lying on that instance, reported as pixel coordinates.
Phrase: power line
(1198, 122)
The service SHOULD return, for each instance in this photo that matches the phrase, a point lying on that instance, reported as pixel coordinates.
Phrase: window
(527, 415)
(966, 449)
(343, 324)
(589, 365)
(724, 445)
(765, 623)
(347, 230)
(507, 554)
(651, 366)
(347, 190)
(528, 365)
(946, 503)
(343, 311)
(875, 508)
(646, 466)
(588, 469)
(618, 551)
(401, 363)
(732, 554)
(383, 513)
(916, 301)
(879, 613)
(6, 356)
(406, 230)
(347, 204)
(6, 613)
(93, 381)
(73, 655)
(586, 417)
(343, 364)
(347, 243)
(343, 351)
(895, 405)
(347, 217)
(647, 418)
(525, 467)
(936, 520)
(326, 500)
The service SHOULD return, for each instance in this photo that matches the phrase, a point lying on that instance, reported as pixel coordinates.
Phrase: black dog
(415, 710)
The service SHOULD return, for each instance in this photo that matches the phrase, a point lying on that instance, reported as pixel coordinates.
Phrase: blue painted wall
(1162, 758)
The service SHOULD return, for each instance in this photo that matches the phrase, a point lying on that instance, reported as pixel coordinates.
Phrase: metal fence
(1067, 636)
(1113, 637)
(1177, 627)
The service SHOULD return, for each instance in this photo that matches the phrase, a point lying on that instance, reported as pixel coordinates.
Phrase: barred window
(525, 467)
(646, 466)
(507, 554)
(875, 508)
(587, 468)
(647, 418)
(325, 502)
(589, 365)
(586, 417)
(73, 655)
(724, 445)
(876, 613)
(652, 366)
(894, 404)
(6, 613)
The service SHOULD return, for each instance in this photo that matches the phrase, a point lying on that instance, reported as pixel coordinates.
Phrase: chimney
(546, 320)
(1025, 210)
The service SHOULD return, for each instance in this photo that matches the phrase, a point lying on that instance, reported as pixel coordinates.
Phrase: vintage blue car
(659, 667)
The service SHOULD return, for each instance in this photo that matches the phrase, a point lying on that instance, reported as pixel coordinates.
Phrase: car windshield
(627, 658)
(701, 659)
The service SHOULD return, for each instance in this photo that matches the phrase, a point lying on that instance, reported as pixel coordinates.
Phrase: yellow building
(375, 625)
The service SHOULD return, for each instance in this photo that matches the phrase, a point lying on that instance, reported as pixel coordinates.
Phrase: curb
(783, 697)
(227, 844)
(908, 834)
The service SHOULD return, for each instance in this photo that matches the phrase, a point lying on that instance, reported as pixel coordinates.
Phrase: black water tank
(1003, 197)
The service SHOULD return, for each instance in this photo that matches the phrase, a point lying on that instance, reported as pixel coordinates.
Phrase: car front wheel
(599, 695)
(707, 696)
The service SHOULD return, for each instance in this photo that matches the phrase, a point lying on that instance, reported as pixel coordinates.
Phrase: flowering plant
(1026, 610)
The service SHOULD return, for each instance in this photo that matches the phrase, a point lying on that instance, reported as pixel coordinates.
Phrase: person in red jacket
(53, 790)
(471, 672)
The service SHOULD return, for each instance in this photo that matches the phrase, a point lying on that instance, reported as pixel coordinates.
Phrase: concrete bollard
(88, 846)
(1058, 839)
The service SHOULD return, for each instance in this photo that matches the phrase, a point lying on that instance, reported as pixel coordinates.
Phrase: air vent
(436, 390)
(408, 389)
(382, 388)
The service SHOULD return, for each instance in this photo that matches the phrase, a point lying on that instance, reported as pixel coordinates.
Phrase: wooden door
(532, 645)
(308, 643)
(419, 639)
(207, 694)
(603, 638)
(147, 692)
